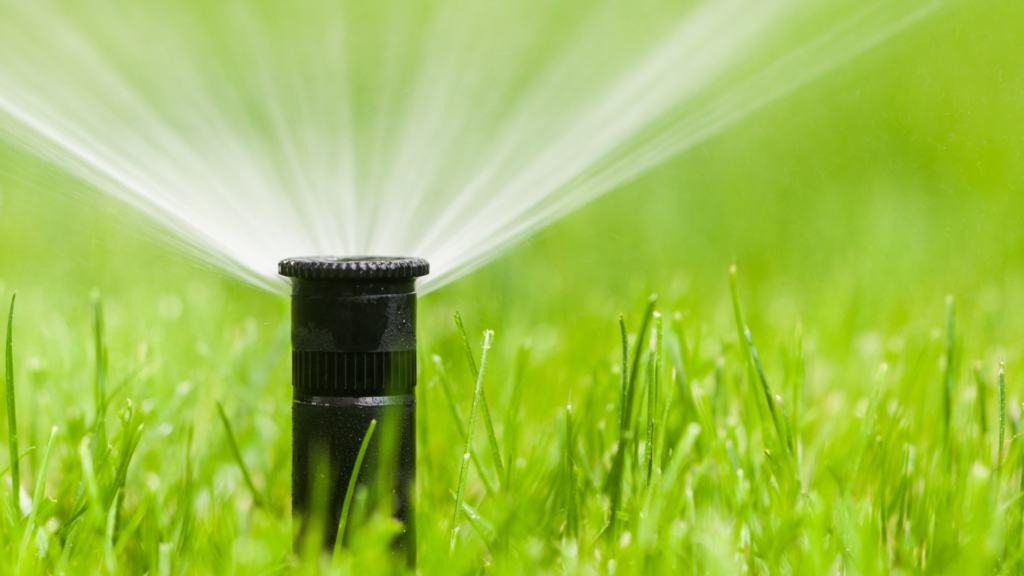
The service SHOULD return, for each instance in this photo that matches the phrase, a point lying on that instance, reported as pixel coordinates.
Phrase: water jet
(353, 362)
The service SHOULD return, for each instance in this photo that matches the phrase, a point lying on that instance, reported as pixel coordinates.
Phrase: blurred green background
(855, 203)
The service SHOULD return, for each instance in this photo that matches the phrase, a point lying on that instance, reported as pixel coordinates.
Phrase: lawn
(869, 421)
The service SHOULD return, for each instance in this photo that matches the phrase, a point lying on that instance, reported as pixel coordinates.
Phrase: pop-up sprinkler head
(353, 361)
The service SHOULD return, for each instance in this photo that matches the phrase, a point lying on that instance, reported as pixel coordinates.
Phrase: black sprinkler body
(353, 361)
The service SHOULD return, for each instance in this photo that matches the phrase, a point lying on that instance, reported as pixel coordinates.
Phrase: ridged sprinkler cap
(353, 268)
(353, 324)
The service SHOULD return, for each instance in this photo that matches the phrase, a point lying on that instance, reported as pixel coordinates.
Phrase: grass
(676, 453)
(350, 490)
(820, 408)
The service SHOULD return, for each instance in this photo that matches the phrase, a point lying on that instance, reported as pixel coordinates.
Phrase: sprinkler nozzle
(353, 362)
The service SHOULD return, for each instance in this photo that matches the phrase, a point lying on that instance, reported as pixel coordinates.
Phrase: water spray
(353, 362)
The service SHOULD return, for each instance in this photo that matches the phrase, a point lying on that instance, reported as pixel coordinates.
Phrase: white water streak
(445, 131)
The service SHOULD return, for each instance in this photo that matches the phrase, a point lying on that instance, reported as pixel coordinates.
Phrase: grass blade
(624, 378)
(464, 472)
(12, 419)
(627, 393)
(982, 396)
(571, 514)
(131, 436)
(1002, 415)
(867, 424)
(652, 398)
(800, 373)
(659, 444)
(773, 409)
(947, 388)
(186, 495)
(737, 313)
(743, 349)
(108, 537)
(352, 488)
(483, 527)
(37, 496)
(682, 452)
(1020, 510)
(638, 347)
(460, 424)
(685, 355)
(511, 435)
(492, 439)
(65, 556)
(20, 458)
(125, 537)
(100, 381)
(256, 496)
(615, 475)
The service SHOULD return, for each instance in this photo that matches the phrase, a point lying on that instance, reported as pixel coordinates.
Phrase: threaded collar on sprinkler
(353, 325)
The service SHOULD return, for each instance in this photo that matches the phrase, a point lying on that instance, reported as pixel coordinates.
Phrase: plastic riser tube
(353, 361)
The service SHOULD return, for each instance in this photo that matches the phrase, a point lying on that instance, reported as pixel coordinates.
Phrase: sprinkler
(353, 362)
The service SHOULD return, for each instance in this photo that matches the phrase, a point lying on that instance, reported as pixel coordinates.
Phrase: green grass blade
(37, 496)
(465, 344)
(947, 388)
(743, 349)
(659, 444)
(352, 488)
(616, 473)
(800, 374)
(652, 398)
(183, 538)
(112, 521)
(652, 412)
(1020, 509)
(678, 328)
(627, 392)
(100, 378)
(88, 491)
(108, 537)
(980, 400)
(12, 419)
(464, 472)
(773, 409)
(131, 434)
(571, 514)
(624, 378)
(867, 424)
(65, 555)
(634, 420)
(982, 397)
(638, 347)
(1002, 415)
(257, 497)
(460, 424)
(480, 525)
(737, 313)
(683, 451)
(720, 401)
(20, 458)
(492, 439)
(681, 366)
(129, 530)
(511, 433)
